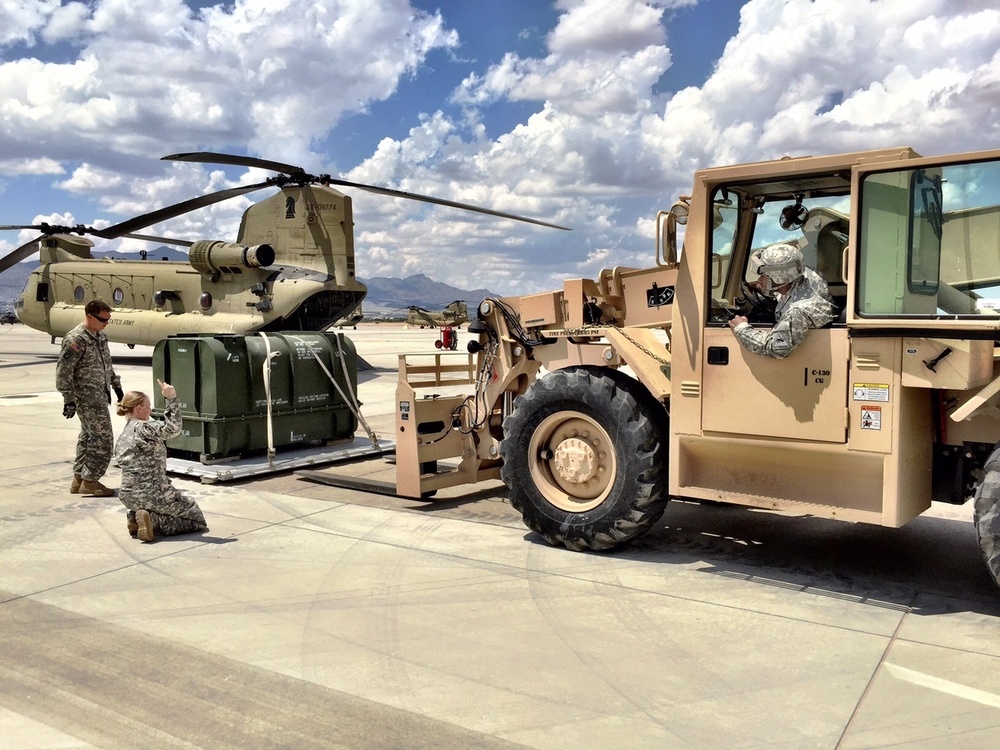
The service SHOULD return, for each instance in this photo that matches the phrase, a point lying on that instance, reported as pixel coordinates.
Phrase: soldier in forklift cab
(803, 301)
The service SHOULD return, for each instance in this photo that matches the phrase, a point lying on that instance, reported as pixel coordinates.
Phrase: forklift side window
(725, 218)
(929, 242)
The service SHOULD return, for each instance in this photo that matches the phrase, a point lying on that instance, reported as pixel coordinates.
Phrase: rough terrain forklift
(598, 402)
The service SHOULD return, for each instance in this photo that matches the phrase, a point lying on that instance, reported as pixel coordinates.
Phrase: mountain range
(388, 295)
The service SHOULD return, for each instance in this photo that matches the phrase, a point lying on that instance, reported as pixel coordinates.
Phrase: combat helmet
(781, 263)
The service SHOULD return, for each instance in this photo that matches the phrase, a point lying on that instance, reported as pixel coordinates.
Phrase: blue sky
(488, 29)
(588, 113)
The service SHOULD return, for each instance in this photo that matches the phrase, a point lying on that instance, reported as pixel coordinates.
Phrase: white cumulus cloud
(600, 146)
(143, 76)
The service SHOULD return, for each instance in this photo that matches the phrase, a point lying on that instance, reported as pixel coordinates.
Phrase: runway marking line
(944, 686)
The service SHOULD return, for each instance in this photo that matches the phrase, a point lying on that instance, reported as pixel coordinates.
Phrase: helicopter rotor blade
(297, 174)
(164, 240)
(16, 256)
(442, 202)
(128, 228)
(211, 157)
(169, 212)
(29, 248)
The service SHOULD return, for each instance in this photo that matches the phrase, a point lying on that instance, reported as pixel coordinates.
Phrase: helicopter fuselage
(454, 314)
(291, 268)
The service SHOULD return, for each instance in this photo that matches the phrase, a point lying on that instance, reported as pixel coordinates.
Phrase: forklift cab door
(801, 397)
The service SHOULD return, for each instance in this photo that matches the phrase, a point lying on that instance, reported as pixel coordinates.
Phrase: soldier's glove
(69, 409)
(119, 393)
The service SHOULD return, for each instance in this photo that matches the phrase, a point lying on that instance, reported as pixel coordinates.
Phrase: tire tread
(636, 423)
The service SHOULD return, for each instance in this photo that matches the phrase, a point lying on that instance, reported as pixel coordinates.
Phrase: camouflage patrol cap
(780, 262)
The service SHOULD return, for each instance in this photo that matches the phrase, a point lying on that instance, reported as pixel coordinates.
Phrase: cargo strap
(266, 369)
(352, 402)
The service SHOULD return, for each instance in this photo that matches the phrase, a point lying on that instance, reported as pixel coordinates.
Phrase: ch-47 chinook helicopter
(454, 314)
(291, 267)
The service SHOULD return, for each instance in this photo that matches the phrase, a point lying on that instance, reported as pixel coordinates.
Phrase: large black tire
(584, 456)
(986, 515)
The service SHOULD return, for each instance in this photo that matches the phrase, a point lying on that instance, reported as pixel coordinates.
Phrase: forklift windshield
(929, 242)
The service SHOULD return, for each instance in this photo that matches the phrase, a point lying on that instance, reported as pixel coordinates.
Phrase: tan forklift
(597, 402)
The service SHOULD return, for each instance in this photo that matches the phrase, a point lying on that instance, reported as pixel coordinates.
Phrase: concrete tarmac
(317, 617)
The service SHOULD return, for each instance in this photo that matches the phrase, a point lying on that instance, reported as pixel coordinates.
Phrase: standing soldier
(84, 375)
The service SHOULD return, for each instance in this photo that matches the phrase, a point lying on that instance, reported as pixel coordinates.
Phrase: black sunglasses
(103, 320)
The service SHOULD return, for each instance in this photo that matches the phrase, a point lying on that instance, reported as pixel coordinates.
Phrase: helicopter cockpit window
(927, 242)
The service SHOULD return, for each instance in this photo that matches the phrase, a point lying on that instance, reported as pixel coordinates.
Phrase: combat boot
(74, 486)
(95, 488)
(144, 526)
(133, 525)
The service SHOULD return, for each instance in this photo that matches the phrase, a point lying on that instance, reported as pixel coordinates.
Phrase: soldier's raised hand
(166, 389)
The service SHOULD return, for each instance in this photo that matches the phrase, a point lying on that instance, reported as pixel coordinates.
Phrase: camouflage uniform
(806, 305)
(142, 455)
(84, 374)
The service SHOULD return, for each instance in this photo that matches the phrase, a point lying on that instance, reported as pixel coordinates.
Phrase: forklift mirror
(666, 237)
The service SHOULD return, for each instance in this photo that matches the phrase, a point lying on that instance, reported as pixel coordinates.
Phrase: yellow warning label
(871, 392)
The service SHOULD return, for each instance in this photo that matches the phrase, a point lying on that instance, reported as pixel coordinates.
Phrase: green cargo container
(223, 391)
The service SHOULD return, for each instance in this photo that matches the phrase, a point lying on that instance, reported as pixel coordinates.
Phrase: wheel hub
(575, 461)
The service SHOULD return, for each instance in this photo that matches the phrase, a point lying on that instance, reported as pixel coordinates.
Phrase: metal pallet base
(244, 468)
